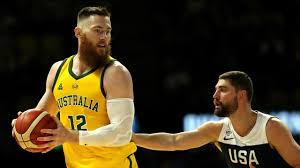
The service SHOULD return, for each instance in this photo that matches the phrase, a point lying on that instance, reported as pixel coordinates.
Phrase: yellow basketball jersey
(82, 103)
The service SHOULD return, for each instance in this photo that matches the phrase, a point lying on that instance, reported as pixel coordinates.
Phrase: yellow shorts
(132, 161)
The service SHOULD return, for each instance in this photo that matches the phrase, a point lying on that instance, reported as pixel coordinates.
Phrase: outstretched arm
(206, 133)
(282, 140)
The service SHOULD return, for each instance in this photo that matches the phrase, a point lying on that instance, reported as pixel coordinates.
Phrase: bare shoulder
(56, 65)
(275, 125)
(117, 71)
(213, 128)
(117, 68)
(280, 137)
(276, 130)
(54, 69)
(215, 124)
(52, 74)
(118, 82)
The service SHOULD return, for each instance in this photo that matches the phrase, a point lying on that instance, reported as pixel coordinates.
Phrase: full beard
(92, 55)
(225, 110)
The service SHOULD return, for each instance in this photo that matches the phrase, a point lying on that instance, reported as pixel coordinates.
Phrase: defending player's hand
(58, 136)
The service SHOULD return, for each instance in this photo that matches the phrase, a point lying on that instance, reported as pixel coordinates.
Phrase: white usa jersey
(253, 148)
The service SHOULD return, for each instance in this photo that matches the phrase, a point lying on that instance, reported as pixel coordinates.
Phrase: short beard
(91, 57)
(227, 109)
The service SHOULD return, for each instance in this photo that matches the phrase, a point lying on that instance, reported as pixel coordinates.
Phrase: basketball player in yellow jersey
(93, 94)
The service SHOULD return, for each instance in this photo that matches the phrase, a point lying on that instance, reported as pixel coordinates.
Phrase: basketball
(28, 125)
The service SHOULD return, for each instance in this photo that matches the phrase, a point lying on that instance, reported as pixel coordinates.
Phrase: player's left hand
(13, 122)
(58, 136)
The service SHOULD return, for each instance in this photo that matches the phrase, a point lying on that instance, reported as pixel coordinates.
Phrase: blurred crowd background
(175, 51)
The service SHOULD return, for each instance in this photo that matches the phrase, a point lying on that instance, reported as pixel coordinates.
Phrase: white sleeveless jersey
(253, 148)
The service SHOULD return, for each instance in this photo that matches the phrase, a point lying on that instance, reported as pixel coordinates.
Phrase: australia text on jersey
(77, 100)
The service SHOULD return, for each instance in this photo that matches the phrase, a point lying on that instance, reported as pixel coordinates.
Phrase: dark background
(175, 51)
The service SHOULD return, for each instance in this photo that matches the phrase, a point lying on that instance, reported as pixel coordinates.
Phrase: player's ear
(78, 32)
(242, 94)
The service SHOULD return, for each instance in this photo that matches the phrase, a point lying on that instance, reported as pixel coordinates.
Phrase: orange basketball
(28, 125)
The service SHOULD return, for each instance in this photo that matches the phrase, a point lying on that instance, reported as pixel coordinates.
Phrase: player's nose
(215, 95)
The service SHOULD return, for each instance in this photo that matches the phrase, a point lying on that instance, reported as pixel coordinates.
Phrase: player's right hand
(13, 122)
